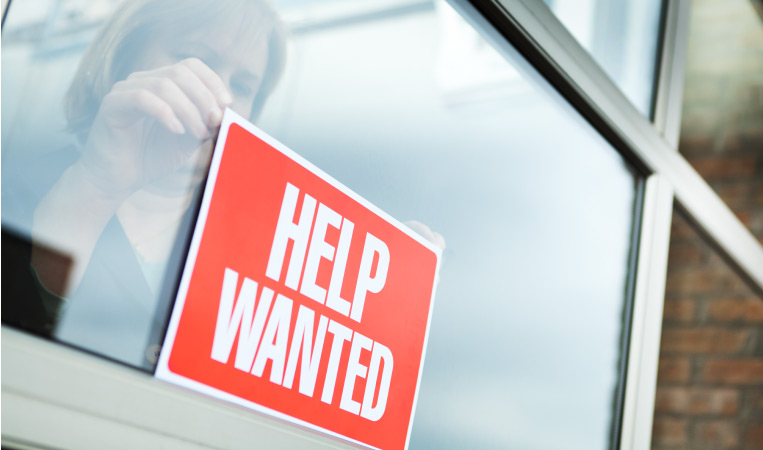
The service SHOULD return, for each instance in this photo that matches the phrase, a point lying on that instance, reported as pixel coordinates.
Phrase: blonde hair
(129, 32)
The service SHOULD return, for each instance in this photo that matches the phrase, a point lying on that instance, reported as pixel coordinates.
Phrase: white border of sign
(162, 369)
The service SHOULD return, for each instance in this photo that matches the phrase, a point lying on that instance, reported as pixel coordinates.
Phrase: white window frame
(57, 397)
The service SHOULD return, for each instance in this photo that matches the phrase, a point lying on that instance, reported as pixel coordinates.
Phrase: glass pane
(416, 105)
(426, 114)
(622, 36)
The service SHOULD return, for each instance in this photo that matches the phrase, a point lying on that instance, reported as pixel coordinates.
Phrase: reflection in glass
(429, 116)
(113, 190)
(425, 115)
(622, 36)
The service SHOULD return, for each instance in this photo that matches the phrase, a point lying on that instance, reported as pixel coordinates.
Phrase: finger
(197, 91)
(438, 240)
(432, 236)
(210, 79)
(168, 90)
(128, 105)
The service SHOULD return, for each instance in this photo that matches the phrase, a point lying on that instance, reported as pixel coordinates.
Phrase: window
(623, 37)
(473, 121)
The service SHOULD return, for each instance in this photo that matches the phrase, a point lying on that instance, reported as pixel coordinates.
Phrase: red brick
(684, 253)
(726, 167)
(718, 262)
(722, 138)
(668, 431)
(692, 401)
(679, 310)
(755, 399)
(745, 310)
(743, 141)
(744, 216)
(757, 193)
(717, 434)
(734, 371)
(681, 229)
(735, 195)
(697, 144)
(753, 438)
(673, 370)
(712, 279)
(703, 340)
(699, 281)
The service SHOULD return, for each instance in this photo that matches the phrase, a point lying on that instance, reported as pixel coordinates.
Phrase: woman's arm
(70, 218)
(146, 128)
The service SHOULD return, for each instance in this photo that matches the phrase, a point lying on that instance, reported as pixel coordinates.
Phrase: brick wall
(710, 380)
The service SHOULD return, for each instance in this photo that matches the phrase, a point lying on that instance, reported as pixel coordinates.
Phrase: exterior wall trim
(62, 391)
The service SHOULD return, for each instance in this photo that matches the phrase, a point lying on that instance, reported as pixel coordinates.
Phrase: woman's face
(237, 56)
(239, 60)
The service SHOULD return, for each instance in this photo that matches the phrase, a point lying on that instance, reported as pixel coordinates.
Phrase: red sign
(299, 298)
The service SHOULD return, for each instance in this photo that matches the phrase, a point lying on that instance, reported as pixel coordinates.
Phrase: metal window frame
(62, 391)
(653, 144)
(5, 8)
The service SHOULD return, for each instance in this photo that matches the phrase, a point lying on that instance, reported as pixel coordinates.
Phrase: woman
(145, 106)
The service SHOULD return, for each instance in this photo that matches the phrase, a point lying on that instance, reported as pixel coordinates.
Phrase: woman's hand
(150, 124)
(148, 127)
(432, 236)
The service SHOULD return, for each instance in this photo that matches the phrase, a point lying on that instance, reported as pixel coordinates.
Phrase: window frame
(654, 146)
(73, 391)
